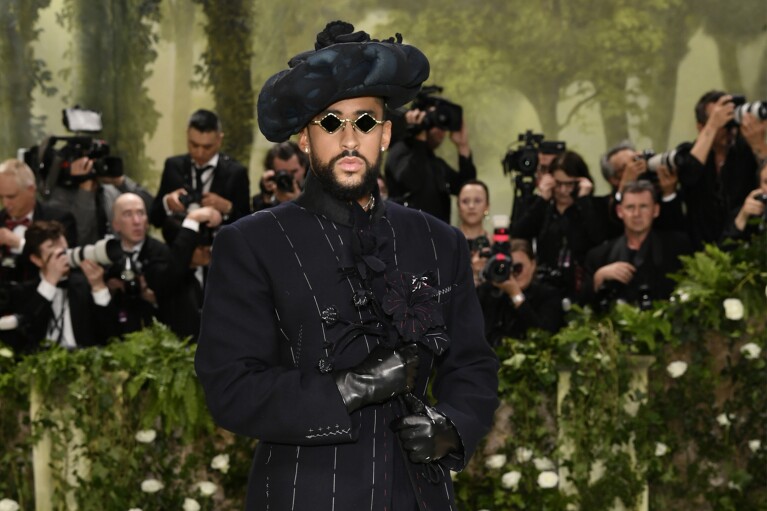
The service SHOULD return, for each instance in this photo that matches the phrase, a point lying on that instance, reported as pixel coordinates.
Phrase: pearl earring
(383, 149)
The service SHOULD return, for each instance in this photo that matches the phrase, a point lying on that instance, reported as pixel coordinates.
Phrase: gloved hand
(427, 436)
(384, 374)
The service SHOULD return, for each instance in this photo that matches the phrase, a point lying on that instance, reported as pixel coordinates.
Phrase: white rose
(510, 480)
(9, 505)
(495, 461)
(191, 505)
(548, 479)
(684, 296)
(146, 436)
(524, 454)
(5, 353)
(751, 350)
(220, 463)
(151, 486)
(515, 361)
(543, 464)
(754, 445)
(207, 488)
(677, 368)
(723, 419)
(660, 448)
(733, 309)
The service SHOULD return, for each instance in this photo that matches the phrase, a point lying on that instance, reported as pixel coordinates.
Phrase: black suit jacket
(230, 180)
(658, 257)
(182, 305)
(92, 324)
(263, 337)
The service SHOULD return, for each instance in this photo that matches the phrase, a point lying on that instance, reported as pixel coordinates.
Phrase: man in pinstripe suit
(327, 318)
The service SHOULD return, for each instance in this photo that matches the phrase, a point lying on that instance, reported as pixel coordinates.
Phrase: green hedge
(696, 434)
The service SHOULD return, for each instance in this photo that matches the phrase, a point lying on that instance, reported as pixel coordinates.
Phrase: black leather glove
(427, 436)
(384, 374)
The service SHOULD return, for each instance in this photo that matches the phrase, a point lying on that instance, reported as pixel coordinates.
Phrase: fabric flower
(543, 464)
(510, 480)
(733, 309)
(676, 369)
(754, 445)
(495, 461)
(548, 479)
(207, 488)
(151, 486)
(6, 353)
(660, 448)
(221, 463)
(523, 454)
(9, 505)
(751, 350)
(723, 419)
(191, 505)
(146, 436)
(412, 304)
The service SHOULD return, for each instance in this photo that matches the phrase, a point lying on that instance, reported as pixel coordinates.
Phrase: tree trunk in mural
(227, 70)
(114, 46)
(21, 72)
(182, 17)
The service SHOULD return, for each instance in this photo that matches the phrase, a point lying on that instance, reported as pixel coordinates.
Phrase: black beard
(324, 173)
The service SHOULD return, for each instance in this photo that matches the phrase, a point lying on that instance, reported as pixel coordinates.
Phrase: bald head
(18, 190)
(129, 220)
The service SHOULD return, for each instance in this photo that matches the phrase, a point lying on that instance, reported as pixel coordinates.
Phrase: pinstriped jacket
(262, 337)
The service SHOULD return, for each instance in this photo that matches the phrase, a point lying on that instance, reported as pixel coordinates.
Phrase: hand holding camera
(174, 201)
(584, 187)
(55, 266)
(546, 186)
(721, 113)
(94, 272)
(754, 205)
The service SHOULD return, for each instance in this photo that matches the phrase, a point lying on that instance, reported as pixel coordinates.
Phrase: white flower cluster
(677, 368)
(9, 505)
(191, 505)
(547, 476)
(146, 436)
(5, 353)
(220, 462)
(151, 486)
(733, 309)
(660, 449)
(751, 350)
(207, 488)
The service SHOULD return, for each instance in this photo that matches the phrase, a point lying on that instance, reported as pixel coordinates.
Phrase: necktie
(11, 224)
(198, 171)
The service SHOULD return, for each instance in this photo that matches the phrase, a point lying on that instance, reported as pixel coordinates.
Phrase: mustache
(349, 154)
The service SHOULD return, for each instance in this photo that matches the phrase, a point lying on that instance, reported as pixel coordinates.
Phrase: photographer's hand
(753, 130)
(546, 186)
(171, 200)
(461, 140)
(8, 238)
(719, 115)
(267, 182)
(585, 187)
(751, 207)
(414, 118)
(55, 267)
(632, 171)
(620, 271)
(82, 167)
(214, 200)
(283, 196)
(511, 287)
(206, 215)
(667, 180)
(94, 273)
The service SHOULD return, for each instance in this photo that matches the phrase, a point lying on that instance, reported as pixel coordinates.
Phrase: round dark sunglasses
(332, 123)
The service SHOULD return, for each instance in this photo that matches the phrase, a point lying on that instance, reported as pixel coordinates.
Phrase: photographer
(140, 279)
(623, 164)
(751, 217)
(473, 209)
(285, 169)
(718, 171)
(521, 302)
(562, 222)
(190, 244)
(70, 306)
(634, 267)
(202, 177)
(18, 192)
(418, 178)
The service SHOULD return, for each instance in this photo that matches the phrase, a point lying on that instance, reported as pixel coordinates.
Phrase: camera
(205, 236)
(525, 159)
(756, 108)
(672, 159)
(52, 159)
(762, 197)
(479, 244)
(129, 276)
(192, 199)
(283, 180)
(106, 251)
(440, 113)
(499, 263)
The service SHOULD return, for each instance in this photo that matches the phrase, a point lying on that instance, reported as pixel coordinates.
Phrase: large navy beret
(345, 64)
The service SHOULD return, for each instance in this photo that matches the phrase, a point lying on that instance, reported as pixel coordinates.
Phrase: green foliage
(227, 70)
(579, 399)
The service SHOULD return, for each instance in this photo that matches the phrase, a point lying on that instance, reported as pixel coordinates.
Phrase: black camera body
(440, 113)
(499, 263)
(762, 197)
(205, 235)
(479, 244)
(284, 180)
(192, 199)
(524, 159)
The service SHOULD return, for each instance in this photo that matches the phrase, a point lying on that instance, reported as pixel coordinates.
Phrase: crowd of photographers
(80, 266)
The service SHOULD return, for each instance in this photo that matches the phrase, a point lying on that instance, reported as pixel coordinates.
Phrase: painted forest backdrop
(589, 72)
